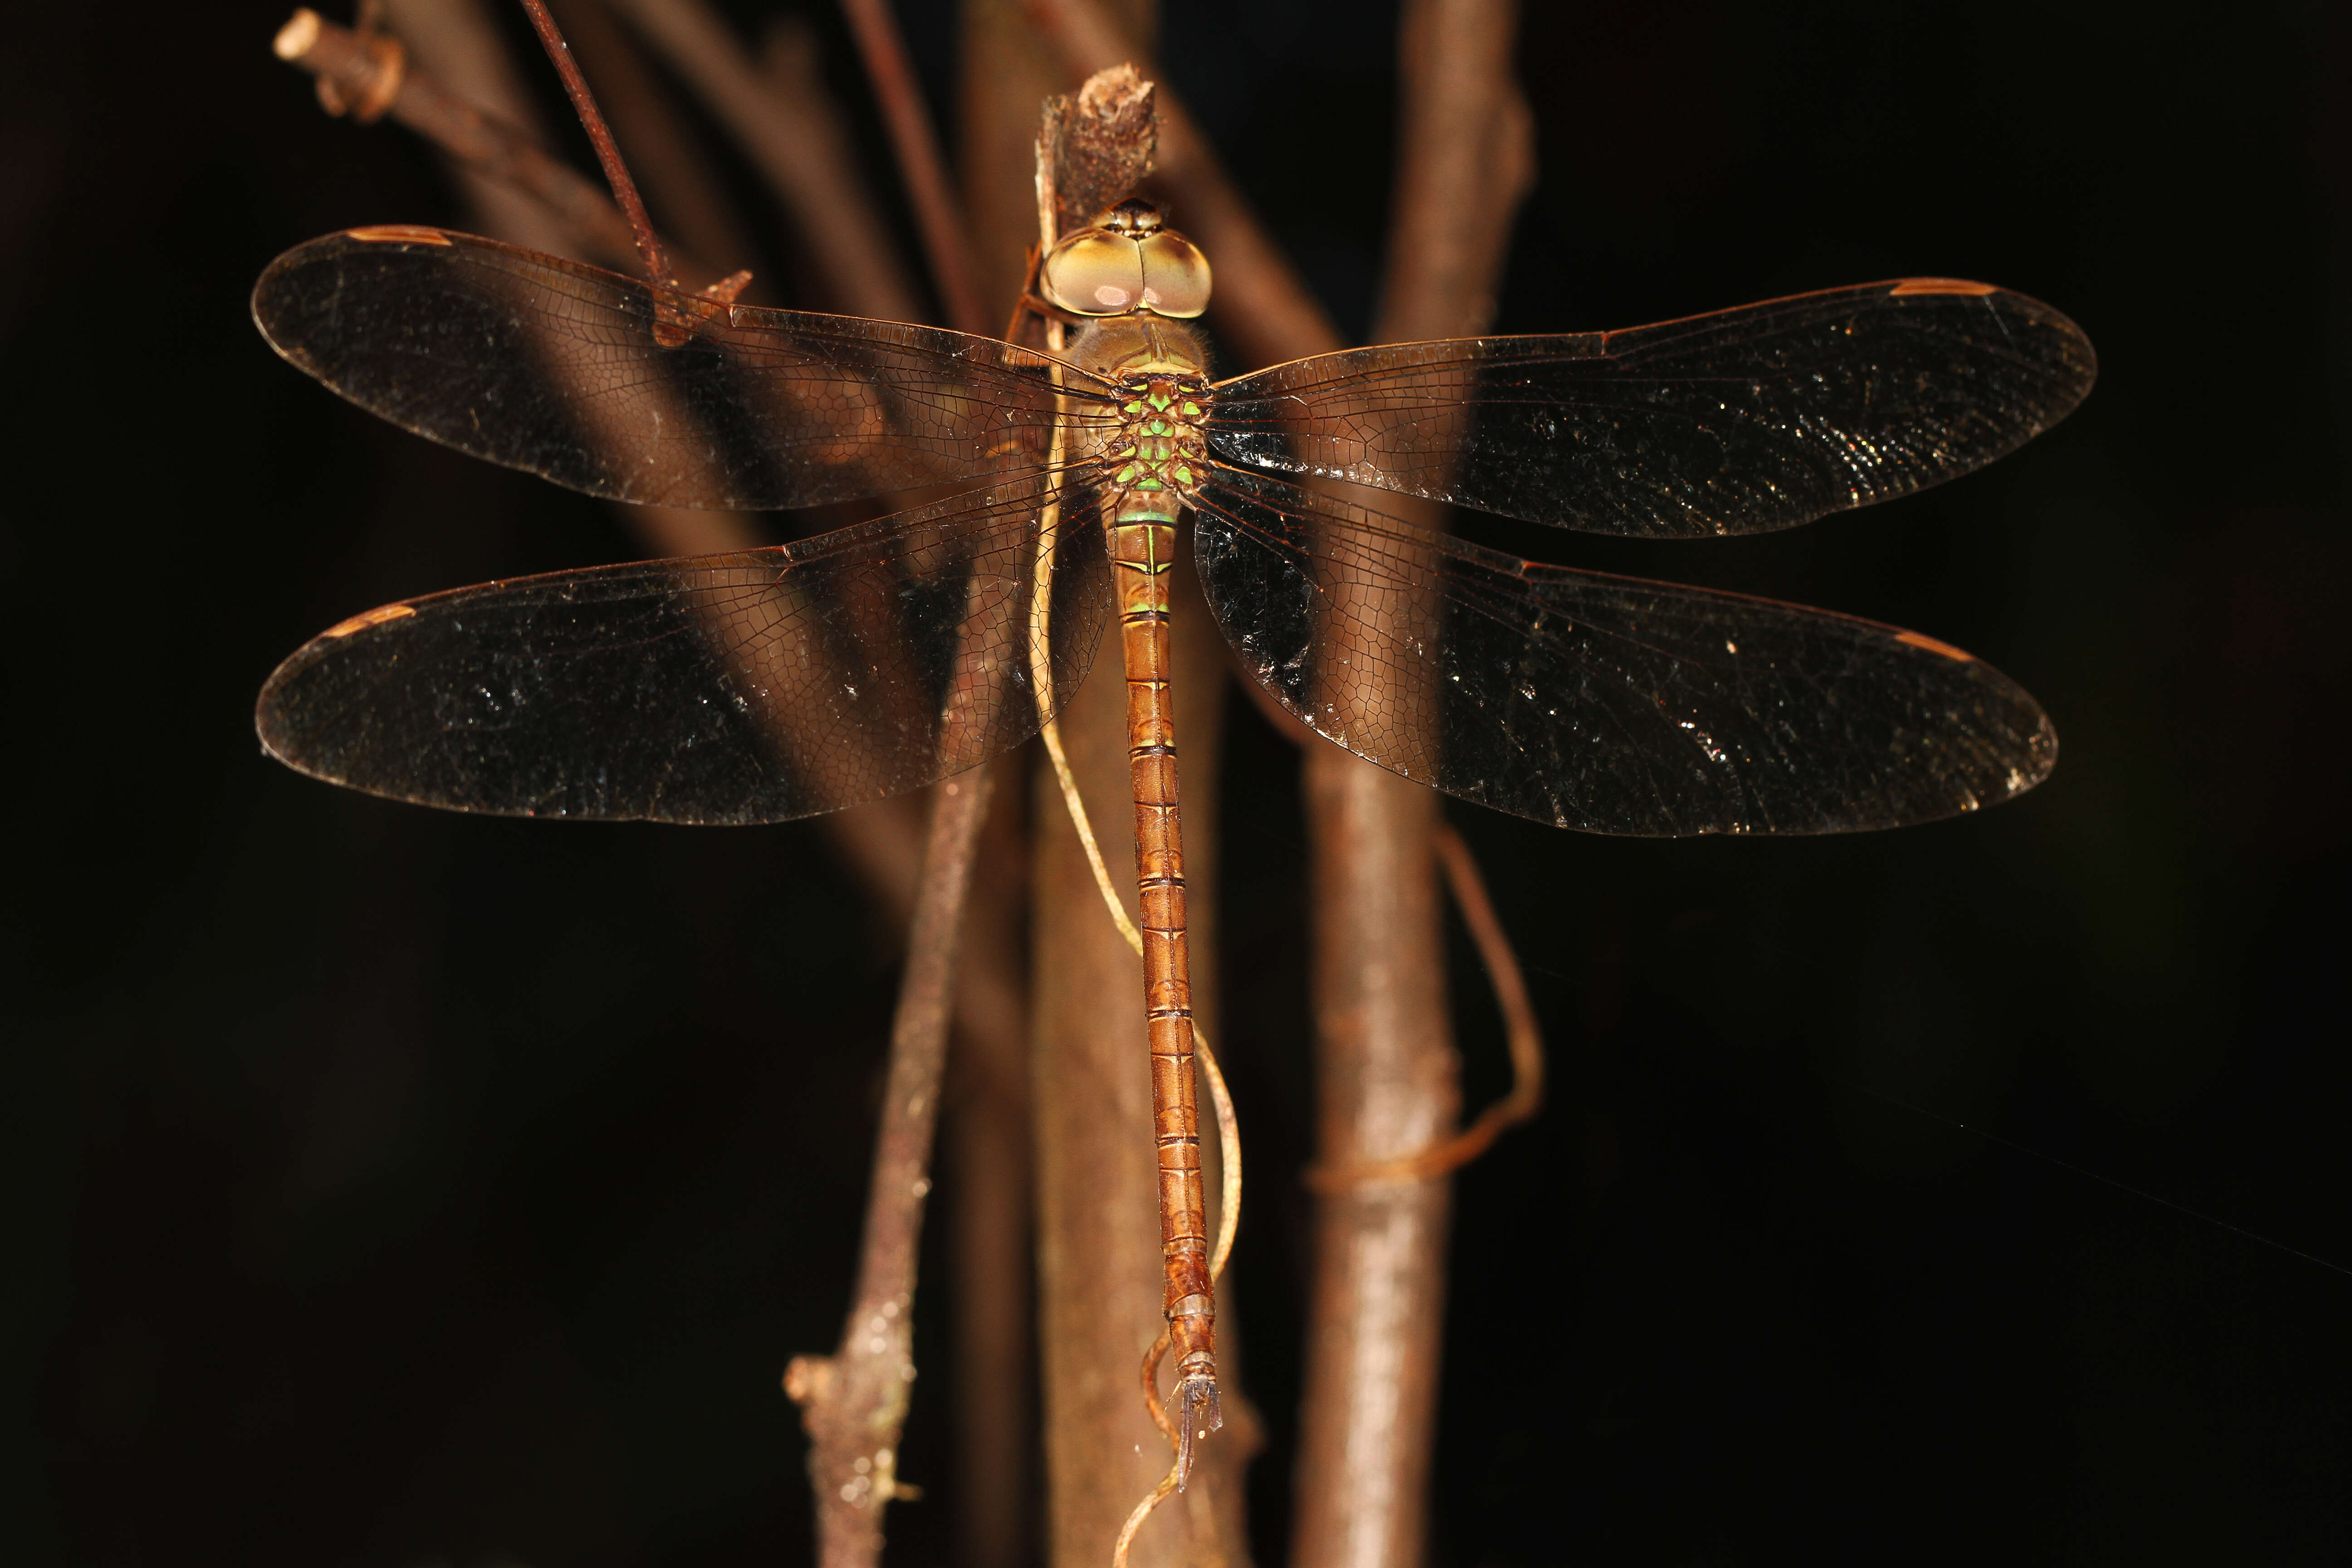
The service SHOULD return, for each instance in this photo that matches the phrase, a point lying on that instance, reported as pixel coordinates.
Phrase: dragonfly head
(1126, 262)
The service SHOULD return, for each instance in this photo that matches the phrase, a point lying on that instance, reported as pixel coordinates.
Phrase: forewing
(558, 369)
(752, 686)
(1739, 422)
(1601, 703)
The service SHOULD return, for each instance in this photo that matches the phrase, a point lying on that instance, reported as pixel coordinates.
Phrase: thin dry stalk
(1386, 1062)
(1387, 1075)
(469, 102)
(373, 76)
(608, 156)
(1386, 1080)
(674, 167)
(854, 1402)
(1521, 1029)
(946, 241)
(987, 1151)
(794, 136)
(472, 104)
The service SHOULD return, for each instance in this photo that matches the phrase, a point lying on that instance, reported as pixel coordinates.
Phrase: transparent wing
(1596, 703)
(1737, 422)
(752, 686)
(555, 368)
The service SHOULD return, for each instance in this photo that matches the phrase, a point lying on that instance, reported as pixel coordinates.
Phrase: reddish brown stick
(364, 78)
(1386, 1073)
(600, 137)
(672, 167)
(854, 1402)
(1101, 1271)
(1386, 1062)
(794, 136)
(1521, 1029)
(946, 241)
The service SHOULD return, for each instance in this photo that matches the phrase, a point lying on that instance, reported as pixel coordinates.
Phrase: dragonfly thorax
(1155, 458)
(1152, 450)
(1121, 348)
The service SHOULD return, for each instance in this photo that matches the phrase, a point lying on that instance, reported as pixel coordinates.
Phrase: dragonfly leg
(1143, 551)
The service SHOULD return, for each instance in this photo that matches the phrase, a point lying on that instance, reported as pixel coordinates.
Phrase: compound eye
(1175, 276)
(1094, 274)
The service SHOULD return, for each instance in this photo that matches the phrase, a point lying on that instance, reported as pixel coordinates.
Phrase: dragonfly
(765, 685)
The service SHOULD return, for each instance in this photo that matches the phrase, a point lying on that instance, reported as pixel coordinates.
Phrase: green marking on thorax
(1152, 456)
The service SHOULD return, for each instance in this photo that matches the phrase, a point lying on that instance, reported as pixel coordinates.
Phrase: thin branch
(600, 137)
(667, 155)
(374, 77)
(854, 1402)
(1466, 161)
(1387, 1074)
(797, 144)
(946, 237)
(1519, 1028)
(1099, 142)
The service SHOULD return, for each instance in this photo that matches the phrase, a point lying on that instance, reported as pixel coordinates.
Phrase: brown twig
(947, 241)
(1520, 1028)
(1103, 142)
(371, 61)
(600, 137)
(1466, 145)
(853, 1402)
(796, 139)
(1387, 1073)
(367, 73)
(986, 1146)
(666, 153)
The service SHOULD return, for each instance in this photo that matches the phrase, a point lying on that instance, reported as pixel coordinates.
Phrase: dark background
(391, 1188)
